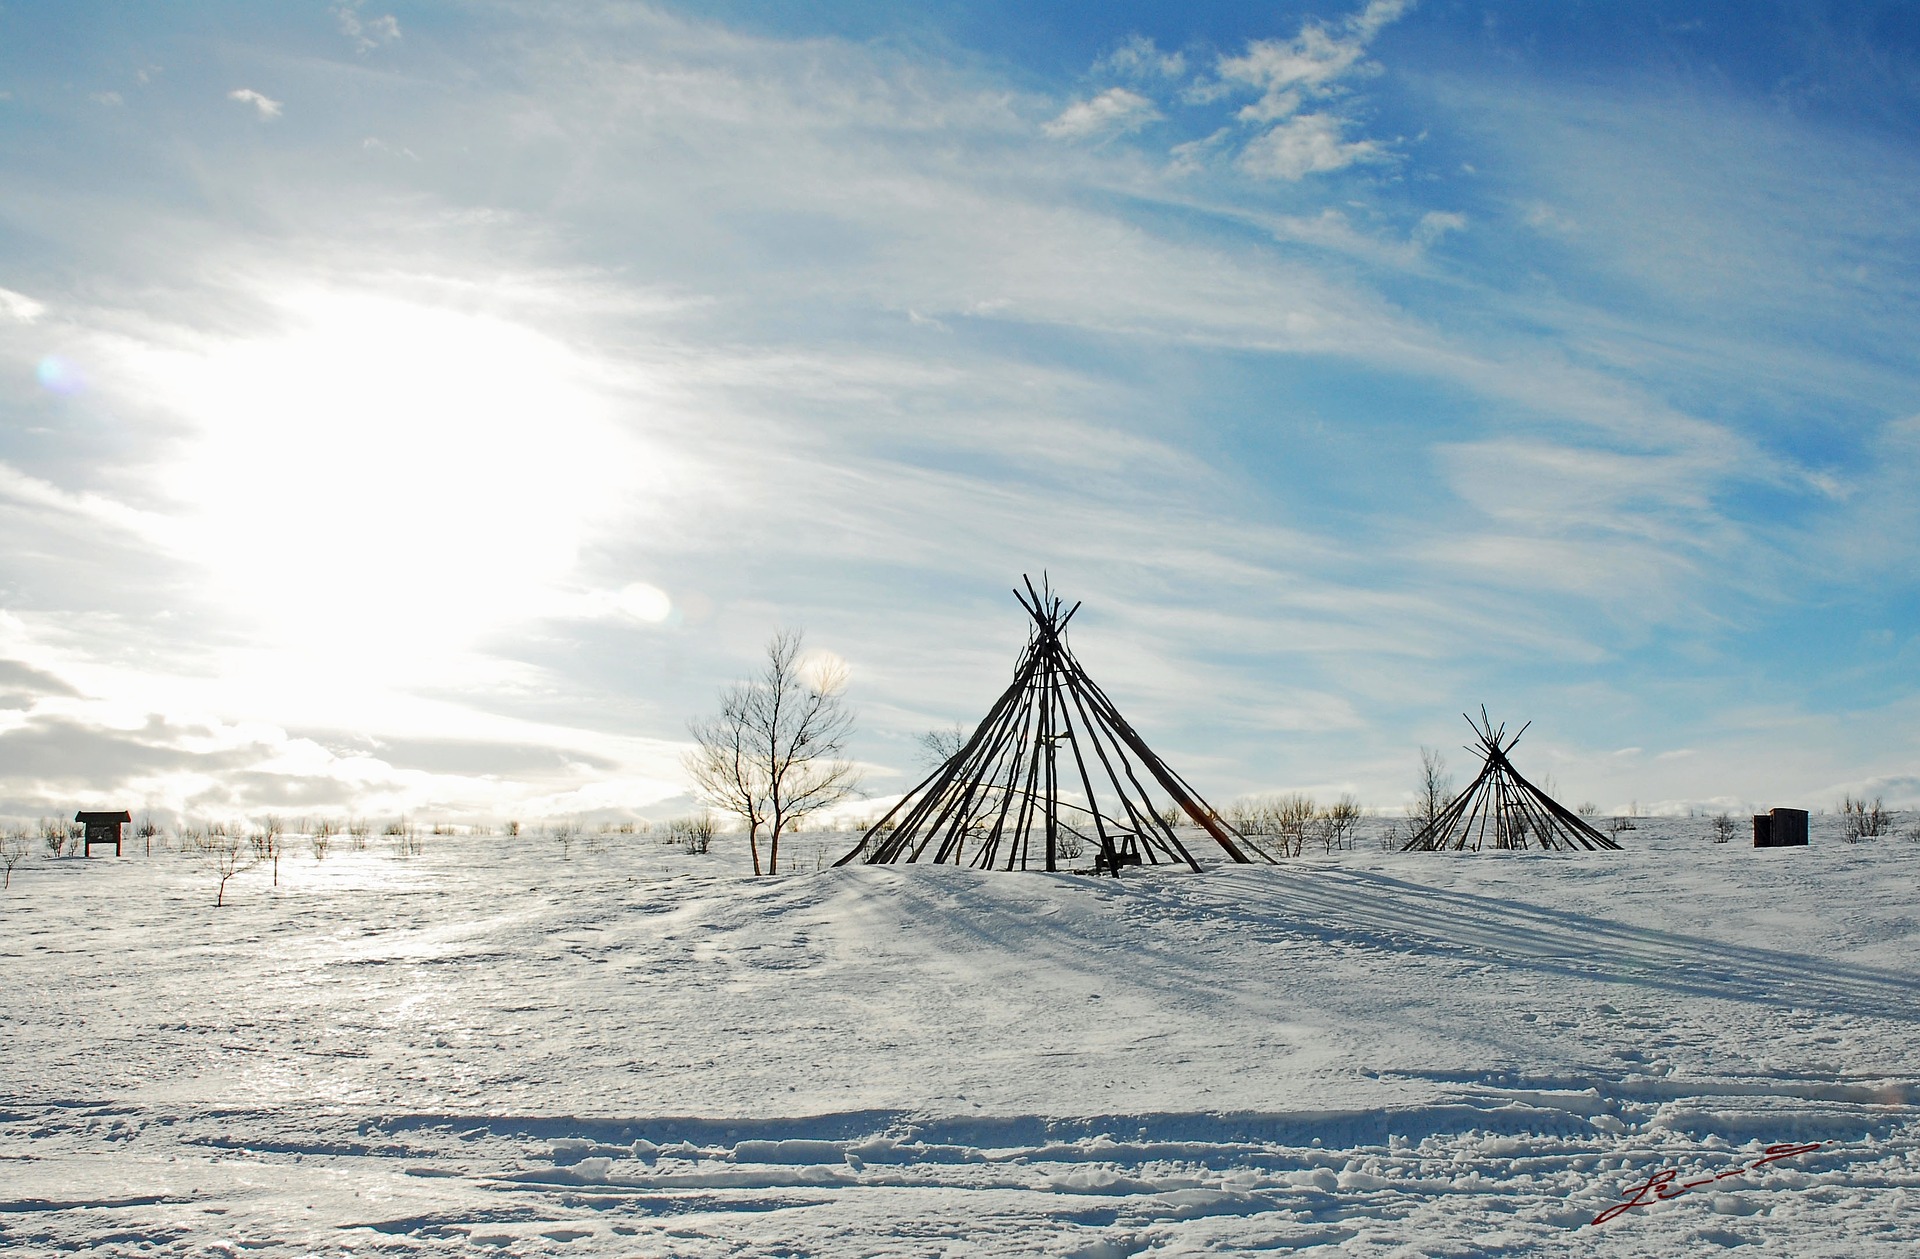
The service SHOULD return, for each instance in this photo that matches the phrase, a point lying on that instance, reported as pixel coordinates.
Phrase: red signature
(1661, 1187)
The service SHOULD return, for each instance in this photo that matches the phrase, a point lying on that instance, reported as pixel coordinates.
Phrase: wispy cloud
(1115, 111)
(367, 33)
(20, 307)
(1138, 57)
(1303, 145)
(523, 441)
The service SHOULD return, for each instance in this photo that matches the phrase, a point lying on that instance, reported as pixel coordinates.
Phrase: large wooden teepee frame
(1035, 771)
(1501, 809)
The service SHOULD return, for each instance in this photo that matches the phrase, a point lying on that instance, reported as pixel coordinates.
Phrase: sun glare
(412, 470)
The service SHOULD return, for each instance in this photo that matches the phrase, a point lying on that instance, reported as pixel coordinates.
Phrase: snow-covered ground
(486, 1049)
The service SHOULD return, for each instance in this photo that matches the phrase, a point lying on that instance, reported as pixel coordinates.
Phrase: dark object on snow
(102, 828)
(1021, 791)
(1781, 828)
(1503, 810)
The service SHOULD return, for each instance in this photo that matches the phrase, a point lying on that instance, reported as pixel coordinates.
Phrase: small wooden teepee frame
(1501, 808)
(1008, 797)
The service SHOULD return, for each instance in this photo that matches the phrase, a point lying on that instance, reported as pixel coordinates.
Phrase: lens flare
(644, 602)
(58, 375)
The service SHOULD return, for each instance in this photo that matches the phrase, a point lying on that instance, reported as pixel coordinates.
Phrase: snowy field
(486, 1049)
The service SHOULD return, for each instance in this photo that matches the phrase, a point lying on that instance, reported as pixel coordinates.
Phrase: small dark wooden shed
(1780, 828)
(102, 828)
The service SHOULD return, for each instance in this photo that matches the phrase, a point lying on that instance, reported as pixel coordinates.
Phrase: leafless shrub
(14, 846)
(268, 842)
(1334, 826)
(146, 831)
(357, 830)
(322, 839)
(513, 829)
(1283, 820)
(53, 834)
(406, 838)
(1724, 828)
(1589, 810)
(226, 853)
(564, 834)
(1860, 820)
(1292, 815)
(694, 834)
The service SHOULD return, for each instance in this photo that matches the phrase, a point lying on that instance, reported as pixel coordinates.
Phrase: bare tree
(1723, 828)
(13, 850)
(269, 842)
(774, 754)
(1432, 793)
(228, 853)
(937, 747)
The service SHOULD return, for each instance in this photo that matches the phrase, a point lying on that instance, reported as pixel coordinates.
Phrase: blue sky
(428, 407)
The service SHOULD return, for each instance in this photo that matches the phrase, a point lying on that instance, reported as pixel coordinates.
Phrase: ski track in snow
(490, 1050)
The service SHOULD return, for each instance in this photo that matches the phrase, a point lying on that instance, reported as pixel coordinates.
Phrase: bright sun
(426, 468)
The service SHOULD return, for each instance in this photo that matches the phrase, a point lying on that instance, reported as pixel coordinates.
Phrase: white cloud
(1437, 223)
(106, 98)
(265, 105)
(20, 307)
(367, 33)
(1305, 145)
(1140, 58)
(1115, 111)
(1542, 217)
(1311, 64)
(1290, 74)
